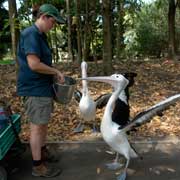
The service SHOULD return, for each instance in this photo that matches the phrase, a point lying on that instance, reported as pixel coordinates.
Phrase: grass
(6, 62)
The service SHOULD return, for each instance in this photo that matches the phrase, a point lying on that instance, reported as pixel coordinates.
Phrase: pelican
(121, 110)
(115, 135)
(87, 106)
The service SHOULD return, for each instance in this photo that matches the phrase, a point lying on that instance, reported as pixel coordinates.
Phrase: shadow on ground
(86, 161)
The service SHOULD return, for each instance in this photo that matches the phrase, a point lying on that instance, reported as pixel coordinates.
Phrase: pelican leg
(124, 173)
(79, 128)
(115, 164)
(95, 128)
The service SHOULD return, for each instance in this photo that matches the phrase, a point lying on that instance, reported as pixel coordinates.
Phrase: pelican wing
(102, 100)
(146, 115)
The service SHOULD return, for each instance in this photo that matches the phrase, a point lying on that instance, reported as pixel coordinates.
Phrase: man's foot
(44, 170)
(47, 156)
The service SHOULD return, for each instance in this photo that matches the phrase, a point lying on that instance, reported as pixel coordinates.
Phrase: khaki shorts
(39, 109)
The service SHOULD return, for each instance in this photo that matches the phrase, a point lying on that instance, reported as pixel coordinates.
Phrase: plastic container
(3, 119)
(64, 92)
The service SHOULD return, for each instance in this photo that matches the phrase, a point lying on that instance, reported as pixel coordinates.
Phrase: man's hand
(60, 77)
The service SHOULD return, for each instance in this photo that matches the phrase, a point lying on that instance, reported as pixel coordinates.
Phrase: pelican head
(115, 80)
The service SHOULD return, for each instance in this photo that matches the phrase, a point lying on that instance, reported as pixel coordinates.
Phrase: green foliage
(5, 62)
(5, 36)
(48, 1)
(1, 3)
(149, 33)
(130, 40)
(145, 26)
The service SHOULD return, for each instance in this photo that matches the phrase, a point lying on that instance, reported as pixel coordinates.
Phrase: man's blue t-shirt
(31, 83)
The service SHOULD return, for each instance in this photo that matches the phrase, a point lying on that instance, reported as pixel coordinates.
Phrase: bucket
(64, 92)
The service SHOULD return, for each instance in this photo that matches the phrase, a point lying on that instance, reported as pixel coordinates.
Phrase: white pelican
(87, 106)
(114, 134)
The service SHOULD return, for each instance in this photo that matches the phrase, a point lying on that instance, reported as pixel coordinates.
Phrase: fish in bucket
(64, 92)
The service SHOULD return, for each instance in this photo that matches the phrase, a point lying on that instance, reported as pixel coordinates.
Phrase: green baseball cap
(50, 10)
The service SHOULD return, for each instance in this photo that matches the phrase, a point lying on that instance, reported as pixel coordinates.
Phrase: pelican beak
(112, 80)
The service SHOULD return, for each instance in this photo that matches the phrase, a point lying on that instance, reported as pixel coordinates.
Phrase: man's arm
(36, 65)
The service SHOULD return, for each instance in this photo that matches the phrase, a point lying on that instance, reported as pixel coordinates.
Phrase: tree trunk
(69, 29)
(56, 52)
(87, 34)
(107, 39)
(14, 24)
(120, 30)
(171, 24)
(78, 31)
(93, 31)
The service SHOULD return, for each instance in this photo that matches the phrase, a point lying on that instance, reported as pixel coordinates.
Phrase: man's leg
(39, 111)
(37, 139)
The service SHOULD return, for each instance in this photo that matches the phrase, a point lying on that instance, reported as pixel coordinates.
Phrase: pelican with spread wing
(114, 134)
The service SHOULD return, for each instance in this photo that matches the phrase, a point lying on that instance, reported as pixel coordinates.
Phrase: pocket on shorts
(34, 103)
(42, 101)
(39, 109)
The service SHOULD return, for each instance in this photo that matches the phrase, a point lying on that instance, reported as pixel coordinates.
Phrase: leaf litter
(156, 81)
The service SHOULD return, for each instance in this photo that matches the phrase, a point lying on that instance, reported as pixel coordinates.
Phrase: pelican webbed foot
(95, 129)
(79, 128)
(114, 165)
(122, 176)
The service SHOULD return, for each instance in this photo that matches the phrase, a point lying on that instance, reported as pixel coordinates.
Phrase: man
(35, 79)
